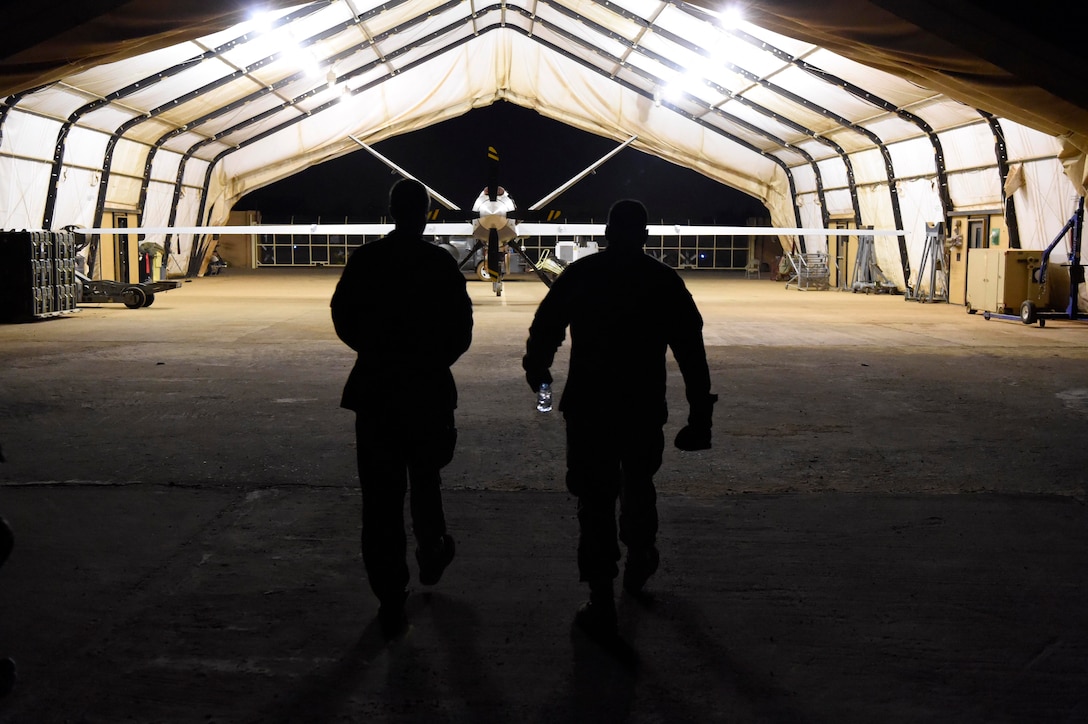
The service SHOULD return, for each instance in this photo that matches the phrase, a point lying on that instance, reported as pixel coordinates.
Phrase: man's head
(626, 227)
(409, 203)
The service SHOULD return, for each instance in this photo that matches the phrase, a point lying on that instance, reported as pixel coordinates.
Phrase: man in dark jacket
(402, 305)
(624, 309)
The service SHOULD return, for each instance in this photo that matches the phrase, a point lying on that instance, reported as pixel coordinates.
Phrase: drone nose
(492, 215)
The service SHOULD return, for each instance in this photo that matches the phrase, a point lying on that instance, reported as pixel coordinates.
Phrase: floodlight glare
(262, 21)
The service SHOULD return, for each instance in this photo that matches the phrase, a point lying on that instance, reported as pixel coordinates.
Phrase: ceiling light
(262, 21)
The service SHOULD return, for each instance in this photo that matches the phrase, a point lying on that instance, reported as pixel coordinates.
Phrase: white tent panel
(811, 213)
(76, 198)
(606, 49)
(313, 102)
(977, 189)
(597, 107)
(603, 15)
(108, 78)
(150, 130)
(108, 119)
(1022, 142)
(85, 147)
(941, 113)
(804, 116)
(158, 93)
(869, 167)
(819, 150)
(751, 136)
(688, 27)
(754, 118)
(804, 179)
(287, 116)
(130, 157)
(687, 59)
(416, 33)
(29, 136)
(849, 139)
(838, 202)
(23, 187)
(157, 207)
(183, 142)
(835, 99)
(659, 73)
(913, 158)
(314, 23)
(874, 201)
(833, 172)
(919, 206)
(1043, 204)
(299, 88)
(165, 166)
(195, 170)
(721, 75)
(180, 245)
(259, 46)
(890, 128)
(61, 102)
(123, 192)
(792, 46)
(225, 120)
(756, 62)
(376, 114)
(967, 147)
(897, 91)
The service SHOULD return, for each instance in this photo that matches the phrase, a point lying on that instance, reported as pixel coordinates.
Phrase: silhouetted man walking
(624, 309)
(402, 305)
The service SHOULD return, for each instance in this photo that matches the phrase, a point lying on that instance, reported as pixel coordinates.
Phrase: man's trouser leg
(383, 479)
(431, 450)
(640, 456)
(593, 476)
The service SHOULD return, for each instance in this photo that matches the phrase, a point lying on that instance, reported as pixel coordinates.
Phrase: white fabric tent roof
(175, 113)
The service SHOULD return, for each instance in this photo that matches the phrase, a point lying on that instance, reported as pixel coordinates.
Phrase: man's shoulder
(394, 244)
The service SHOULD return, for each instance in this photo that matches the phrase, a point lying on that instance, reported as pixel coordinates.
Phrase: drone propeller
(494, 258)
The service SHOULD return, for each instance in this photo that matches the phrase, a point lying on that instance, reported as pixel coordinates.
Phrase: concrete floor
(891, 525)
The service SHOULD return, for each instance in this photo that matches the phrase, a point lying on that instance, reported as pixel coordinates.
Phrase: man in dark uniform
(402, 305)
(624, 309)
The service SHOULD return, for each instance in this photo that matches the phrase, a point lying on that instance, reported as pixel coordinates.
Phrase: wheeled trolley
(133, 296)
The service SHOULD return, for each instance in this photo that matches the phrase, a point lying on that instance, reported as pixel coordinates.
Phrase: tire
(150, 299)
(1028, 314)
(133, 297)
(986, 316)
(971, 310)
(481, 272)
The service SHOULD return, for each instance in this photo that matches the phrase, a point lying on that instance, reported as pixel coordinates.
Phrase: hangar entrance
(721, 252)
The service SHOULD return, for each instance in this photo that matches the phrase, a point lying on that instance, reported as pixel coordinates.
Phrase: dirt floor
(891, 525)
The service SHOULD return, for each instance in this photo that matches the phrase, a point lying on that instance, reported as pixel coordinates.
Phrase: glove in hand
(692, 437)
(696, 434)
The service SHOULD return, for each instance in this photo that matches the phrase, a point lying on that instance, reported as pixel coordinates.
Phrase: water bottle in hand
(544, 398)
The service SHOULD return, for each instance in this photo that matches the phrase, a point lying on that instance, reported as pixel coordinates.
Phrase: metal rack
(811, 271)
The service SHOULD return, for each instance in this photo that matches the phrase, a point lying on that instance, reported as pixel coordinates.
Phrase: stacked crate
(37, 274)
(65, 285)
